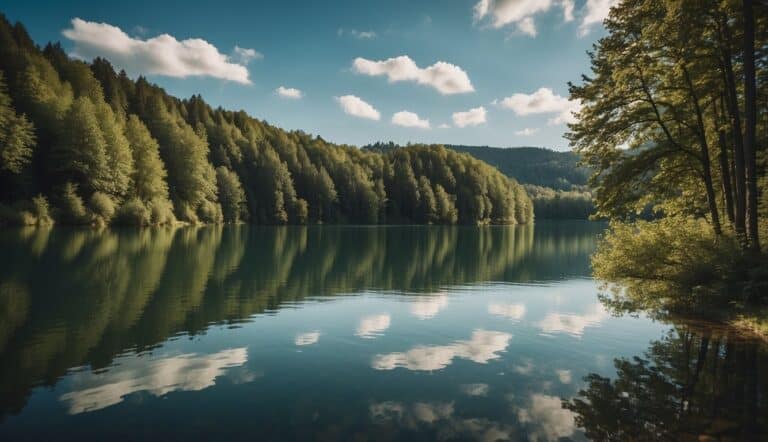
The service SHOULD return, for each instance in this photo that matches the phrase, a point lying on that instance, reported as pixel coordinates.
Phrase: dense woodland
(83, 144)
(556, 182)
(674, 119)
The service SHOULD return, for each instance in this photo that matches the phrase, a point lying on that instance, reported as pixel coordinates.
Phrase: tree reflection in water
(696, 383)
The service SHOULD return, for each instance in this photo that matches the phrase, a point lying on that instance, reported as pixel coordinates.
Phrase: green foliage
(661, 263)
(71, 206)
(560, 204)
(104, 137)
(17, 135)
(102, 206)
(133, 212)
(41, 210)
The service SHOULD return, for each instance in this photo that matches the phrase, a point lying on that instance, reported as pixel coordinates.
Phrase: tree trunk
(704, 149)
(738, 142)
(750, 125)
(725, 167)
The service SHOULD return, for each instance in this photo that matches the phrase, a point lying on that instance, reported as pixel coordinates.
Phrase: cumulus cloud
(594, 12)
(573, 324)
(550, 420)
(352, 105)
(445, 77)
(161, 55)
(527, 132)
(289, 92)
(373, 326)
(543, 101)
(409, 119)
(308, 338)
(472, 117)
(245, 55)
(514, 312)
(482, 347)
(518, 13)
(158, 376)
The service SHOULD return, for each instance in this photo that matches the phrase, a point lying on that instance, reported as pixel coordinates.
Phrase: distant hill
(528, 165)
(532, 165)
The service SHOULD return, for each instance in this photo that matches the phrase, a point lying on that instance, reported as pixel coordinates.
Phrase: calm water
(348, 333)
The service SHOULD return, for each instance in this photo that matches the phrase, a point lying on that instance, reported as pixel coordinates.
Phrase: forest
(556, 182)
(83, 144)
(674, 121)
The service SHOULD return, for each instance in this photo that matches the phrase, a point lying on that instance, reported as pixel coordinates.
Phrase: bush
(41, 211)
(210, 212)
(133, 213)
(71, 206)
(186, 213)
(666, 264)
(161, 211)
(102, 206)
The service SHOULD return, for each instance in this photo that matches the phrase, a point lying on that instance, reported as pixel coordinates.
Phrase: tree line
(675, 113)
(83, 144)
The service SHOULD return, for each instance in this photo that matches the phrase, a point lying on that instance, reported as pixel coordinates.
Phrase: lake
(349, 333)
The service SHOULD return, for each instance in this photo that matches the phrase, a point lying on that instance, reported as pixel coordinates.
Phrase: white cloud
(514, 312)
(308, 338)
(527, 26)
(354, 33)
(520, 13)
(543, 101)
(159, 376)
(568, 6)
(551, 421)
(564, 376)
(445, 77)
(372, 326)
(472, 117)
(289, 92)
(475, 389)
(161, 55)
(594, 12)
(573, 324)
(482, 347)
(245, 55)
(444, 126)
(409, 119)
(356, 107)
(527, 132)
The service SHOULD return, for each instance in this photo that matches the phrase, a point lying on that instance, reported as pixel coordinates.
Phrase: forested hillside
(533, 165)
(554, 181)
(83, 144)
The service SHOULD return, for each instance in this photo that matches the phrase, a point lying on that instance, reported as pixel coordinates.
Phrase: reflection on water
(339, 333)
(481, 348)
(694, 383)
(189, 372)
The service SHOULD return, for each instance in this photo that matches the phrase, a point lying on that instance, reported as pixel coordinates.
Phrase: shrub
(133, 213)
(41, 211)
(161, 211)
(71, 206)
(210, 212)
(102, 206)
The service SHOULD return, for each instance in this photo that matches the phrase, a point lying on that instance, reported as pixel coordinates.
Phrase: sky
(474, 72)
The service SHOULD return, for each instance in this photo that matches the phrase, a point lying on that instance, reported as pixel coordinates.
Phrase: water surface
(348, 333)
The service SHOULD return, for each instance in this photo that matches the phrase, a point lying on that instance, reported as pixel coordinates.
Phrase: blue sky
(490, 50)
